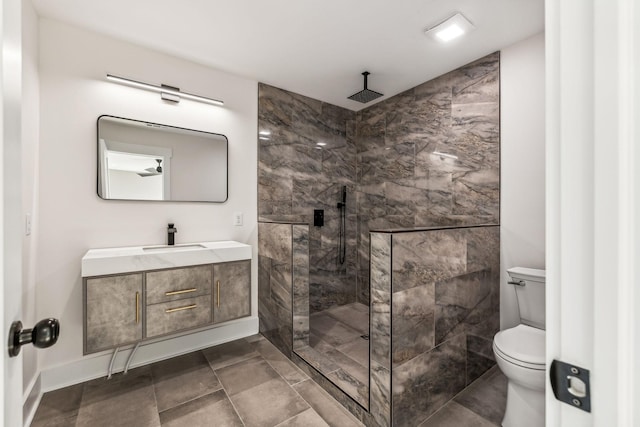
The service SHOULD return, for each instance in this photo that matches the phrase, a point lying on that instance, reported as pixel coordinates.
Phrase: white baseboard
(31, 400)
(96, 366)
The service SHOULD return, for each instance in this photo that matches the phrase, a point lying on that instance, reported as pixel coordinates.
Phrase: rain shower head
(365, 95)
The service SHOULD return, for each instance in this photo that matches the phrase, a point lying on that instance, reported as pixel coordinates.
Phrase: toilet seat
(523, 346)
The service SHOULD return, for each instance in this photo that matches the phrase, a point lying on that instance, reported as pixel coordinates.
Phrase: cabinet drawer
(178, 283)
(168, 317)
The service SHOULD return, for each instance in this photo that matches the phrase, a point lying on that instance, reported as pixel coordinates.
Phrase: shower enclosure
(421, 161)
(307, 163)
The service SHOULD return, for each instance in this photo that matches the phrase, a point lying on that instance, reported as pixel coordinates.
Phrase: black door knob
(44, 334)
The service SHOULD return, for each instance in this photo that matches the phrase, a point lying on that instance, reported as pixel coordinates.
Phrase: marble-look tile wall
(395, 159)
(380, 330)
(296, 176)
(435, 309)
(300, 285)
(403, 181)
(276, 264)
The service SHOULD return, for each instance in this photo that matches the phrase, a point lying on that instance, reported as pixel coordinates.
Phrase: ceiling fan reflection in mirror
(152, 171)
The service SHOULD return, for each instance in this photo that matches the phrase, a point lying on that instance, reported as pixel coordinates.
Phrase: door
(593, 205)
(10, 212)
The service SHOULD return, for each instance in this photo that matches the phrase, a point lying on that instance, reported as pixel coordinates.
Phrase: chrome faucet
(171, 234)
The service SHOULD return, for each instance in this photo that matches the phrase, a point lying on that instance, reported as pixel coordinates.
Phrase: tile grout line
(193, 399)
(283, 378)
(153, 389)
(290, 418)
(205, 394)
(226, 393)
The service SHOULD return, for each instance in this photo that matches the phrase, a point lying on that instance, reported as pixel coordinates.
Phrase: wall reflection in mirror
(140, 160)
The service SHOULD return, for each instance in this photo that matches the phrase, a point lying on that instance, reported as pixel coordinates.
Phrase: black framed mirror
(140, 160)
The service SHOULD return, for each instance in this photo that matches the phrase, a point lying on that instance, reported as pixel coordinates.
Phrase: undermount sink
(173, 248)
(99, 262)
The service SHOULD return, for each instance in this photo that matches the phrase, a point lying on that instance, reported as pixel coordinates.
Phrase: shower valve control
(318, 217)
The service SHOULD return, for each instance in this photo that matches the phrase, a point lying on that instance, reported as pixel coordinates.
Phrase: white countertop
(99, 262)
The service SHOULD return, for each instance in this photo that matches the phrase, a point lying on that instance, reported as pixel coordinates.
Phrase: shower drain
(365, 337)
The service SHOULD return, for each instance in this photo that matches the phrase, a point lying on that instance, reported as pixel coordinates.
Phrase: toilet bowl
(520, 352)
(520, 356)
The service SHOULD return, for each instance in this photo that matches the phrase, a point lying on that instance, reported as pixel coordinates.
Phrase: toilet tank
(530, 296)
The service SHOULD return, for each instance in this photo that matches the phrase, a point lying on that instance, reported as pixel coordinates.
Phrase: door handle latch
(570, 385)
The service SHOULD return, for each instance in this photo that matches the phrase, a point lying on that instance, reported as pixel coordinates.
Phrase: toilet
(520, 351)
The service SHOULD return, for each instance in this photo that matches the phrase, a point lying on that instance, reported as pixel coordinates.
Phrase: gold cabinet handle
(183, 291)
(186, 307)
(137, 307)
(218, 293)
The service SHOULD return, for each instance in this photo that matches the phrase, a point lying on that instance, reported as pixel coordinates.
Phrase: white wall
(130, 185)
(72, 218)
(522, 127)
(30, 144)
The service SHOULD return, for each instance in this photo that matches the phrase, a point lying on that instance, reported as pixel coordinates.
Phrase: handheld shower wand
(342, 247)
(343, 203)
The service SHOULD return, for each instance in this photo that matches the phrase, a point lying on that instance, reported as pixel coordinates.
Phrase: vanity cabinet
(113, 315)
(232, 290)
(128, 307)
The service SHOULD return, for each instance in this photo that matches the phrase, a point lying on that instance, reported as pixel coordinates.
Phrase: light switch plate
(27, 225)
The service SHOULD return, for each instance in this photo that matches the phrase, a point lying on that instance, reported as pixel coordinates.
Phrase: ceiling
(315, 48)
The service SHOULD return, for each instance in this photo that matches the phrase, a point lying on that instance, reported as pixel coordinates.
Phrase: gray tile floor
(338, 350)
(482, 404)
(247, 382)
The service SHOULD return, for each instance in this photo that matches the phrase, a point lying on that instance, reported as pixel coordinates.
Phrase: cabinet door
(113, 315)
(232, 290)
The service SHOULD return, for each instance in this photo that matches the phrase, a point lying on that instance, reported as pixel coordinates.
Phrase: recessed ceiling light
(322, 144)
(451, 28)
(264, 133)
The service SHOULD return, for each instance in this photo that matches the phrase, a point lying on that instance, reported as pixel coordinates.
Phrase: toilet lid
(522, 343)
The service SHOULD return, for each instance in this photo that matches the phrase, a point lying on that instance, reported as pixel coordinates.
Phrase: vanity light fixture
(448, 156)
(451, 28)
(168, 93)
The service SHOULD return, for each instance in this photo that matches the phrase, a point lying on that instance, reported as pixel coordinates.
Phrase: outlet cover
(237, 218)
